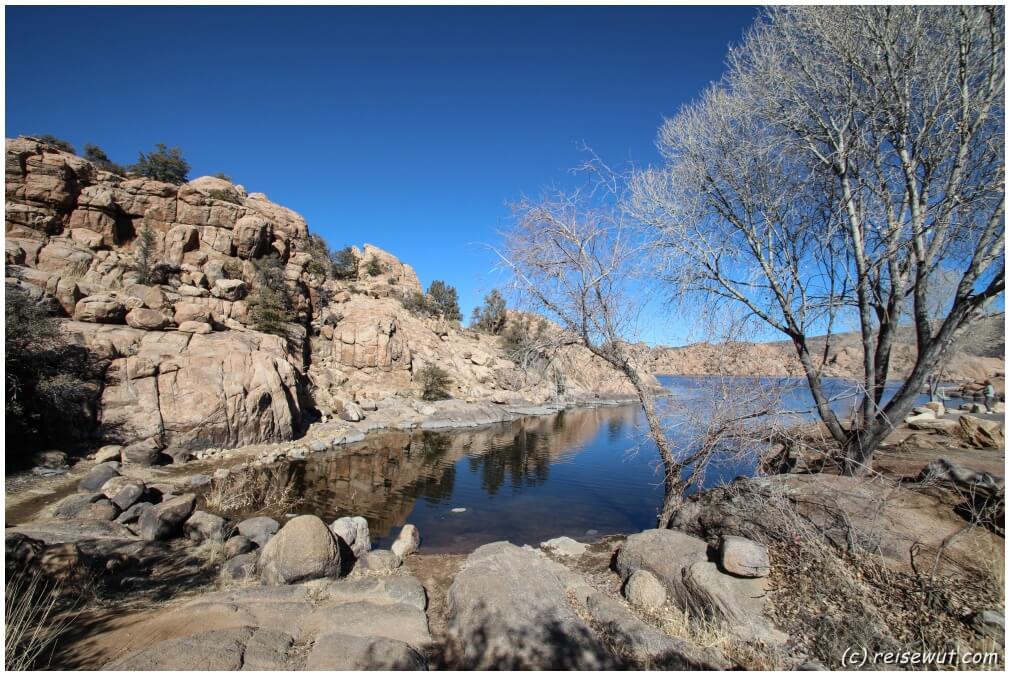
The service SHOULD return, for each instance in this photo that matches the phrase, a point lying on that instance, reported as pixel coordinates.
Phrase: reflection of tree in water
(615, 429)
(526, 461)
(433, 487)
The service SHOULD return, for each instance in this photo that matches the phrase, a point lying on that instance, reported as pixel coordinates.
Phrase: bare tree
(845, 157)
(577, 258)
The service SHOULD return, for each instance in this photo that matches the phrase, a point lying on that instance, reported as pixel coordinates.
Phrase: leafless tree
(846, 156)
(576, 258)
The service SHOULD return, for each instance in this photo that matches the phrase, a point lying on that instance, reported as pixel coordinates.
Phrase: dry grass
(708, 634)
(252, 493)
(36, 614)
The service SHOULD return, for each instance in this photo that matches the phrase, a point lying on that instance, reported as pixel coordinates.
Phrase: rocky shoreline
(717, 591)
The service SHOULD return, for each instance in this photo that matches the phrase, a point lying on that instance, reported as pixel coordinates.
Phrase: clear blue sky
(407, 128)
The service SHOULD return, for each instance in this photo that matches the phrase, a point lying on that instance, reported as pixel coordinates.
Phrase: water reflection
(525, 481)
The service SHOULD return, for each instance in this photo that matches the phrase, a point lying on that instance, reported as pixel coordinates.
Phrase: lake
(582, 472)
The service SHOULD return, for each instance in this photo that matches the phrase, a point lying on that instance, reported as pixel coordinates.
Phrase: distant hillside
(979, 354)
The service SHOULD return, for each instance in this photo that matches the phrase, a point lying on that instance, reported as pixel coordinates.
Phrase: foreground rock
(513, 608)
(303, 549)
(696, 584)
(321, 625)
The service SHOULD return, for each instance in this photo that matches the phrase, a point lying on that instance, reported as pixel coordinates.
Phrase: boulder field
(183, 364)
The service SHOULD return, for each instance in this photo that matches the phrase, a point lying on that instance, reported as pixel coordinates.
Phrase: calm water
(579, 473)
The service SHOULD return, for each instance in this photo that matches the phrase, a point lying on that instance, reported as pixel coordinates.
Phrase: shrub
(490, 317)
(416, 303)
(49, 394)
(435, 383)
(59, 143)
(97, 157)
(444, 300)
(162, 164)
(374, 267)
(319, 264)
(143, 253)
(223, 176)
(344, 263)
(225, 195)
(270, 308)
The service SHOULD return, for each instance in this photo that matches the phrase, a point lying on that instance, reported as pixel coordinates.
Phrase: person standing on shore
(990, 396)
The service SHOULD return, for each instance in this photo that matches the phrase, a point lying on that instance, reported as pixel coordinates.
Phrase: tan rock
(100, 309)
(149, 320)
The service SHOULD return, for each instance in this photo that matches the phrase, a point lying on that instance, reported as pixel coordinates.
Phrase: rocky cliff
(183, 363)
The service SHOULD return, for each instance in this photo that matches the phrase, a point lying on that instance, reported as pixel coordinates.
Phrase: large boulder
(123, 491)
(982, 433)
(680, 562)
(742, 557)
(100, 309)
(304, 549)
(165, 519)
(509, 609)
(148, 320)
(97, 476)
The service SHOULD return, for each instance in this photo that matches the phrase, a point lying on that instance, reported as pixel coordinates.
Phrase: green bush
(491, 316)
(270, 308)
(344, 263)
(374, 267)
(434, 382)
(223, 176)
(97, 157)
(59, 143)
(444, 300)
(162, 164)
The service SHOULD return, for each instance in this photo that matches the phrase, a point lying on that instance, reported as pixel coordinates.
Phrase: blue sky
(408, 128)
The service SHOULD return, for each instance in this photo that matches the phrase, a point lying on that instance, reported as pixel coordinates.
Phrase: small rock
(239, 568)
(196, 327)
(203, 526)
(378, 560)
(238, 544)
(644, 590)
(259, 529)
(95, 478)
(458, 510)
(107, 453)
(198, 480)
(407, 541)
(165, 520)
(353, 530)
(123, 491)
(742, 557)
(50, 459)
(144, 453)
(71, 506)
(318, 446)
(368, 404)
(132, 515)
(564, 546)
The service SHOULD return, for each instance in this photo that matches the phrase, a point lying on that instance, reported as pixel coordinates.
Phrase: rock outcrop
(185, 365)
